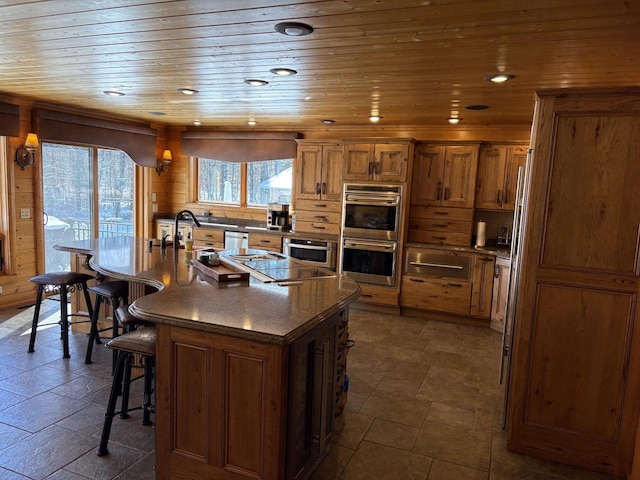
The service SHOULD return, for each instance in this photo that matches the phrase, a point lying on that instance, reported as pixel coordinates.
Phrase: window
(253, 184)
(85, 190)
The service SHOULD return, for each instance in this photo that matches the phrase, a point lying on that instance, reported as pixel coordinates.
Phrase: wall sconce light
(163, 163)
(25, 153)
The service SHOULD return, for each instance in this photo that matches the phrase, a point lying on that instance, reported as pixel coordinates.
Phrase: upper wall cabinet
(385, 162)
(319, 172)
(498, 176)
(444, 175)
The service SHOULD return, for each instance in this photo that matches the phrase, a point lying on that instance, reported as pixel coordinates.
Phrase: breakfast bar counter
(250, 375)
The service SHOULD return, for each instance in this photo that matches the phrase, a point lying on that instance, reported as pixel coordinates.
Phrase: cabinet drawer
(440, 225)
(442, 295)
(440, 238)
(265, 242)
(461, 214)
(318, 227)
(380, 295)
(208, 235)
(438, 264)
(317, 217)
(318, 206)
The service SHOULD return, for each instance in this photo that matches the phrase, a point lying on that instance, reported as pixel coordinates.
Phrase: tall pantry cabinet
(575, 385)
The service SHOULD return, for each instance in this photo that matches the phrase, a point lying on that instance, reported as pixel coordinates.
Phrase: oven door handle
(367, 200)
(371, 246)
(439, 265)
(309, 247)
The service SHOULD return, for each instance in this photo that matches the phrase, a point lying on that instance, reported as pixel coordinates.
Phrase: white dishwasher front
(234, 240)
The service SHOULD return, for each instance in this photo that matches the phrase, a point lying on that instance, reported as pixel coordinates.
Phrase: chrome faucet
(176, 237)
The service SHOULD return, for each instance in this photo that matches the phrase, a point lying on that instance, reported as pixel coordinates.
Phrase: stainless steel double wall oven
(371, 216)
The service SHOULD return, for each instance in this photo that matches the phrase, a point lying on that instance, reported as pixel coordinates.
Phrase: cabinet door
(308, 171)
(390, 162)
(500, 292)
(490, 189)
(358, 162)
(459, 180)
(428, 169)
(331, 186)
(482, 290)
(516, 158)
(575, 376)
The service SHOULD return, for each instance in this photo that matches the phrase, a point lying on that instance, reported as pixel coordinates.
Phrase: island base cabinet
(220, 406)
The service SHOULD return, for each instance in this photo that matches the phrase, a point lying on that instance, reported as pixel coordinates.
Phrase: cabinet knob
(324, 188)
(318, 188)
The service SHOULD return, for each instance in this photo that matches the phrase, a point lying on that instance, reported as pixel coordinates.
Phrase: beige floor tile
(392, 434)
(401, 369)
(372, 461)
(444, 359)
(455, 395)
(500, 471)
(333, 464)
(567, 472)
(441, 470)
(396, 386)
(445, 376)
(405, 410)
(405, 354)
(355, 401)
(351, 428)
(517, 462)
(488, 419)
(363, 382)
(456, 416)
(444, 343)
(458, 445)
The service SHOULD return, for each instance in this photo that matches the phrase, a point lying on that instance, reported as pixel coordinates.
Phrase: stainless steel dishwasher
(234, 240)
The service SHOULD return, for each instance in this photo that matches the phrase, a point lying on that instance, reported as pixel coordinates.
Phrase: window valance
(9, 120)
(137, 141)
(239, 146)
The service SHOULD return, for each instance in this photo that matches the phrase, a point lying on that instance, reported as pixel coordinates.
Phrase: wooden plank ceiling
(411, 61)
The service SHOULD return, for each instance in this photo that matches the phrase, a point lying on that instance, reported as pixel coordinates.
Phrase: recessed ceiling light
(375, 118)
(294, 29)
(454, 120)
(158, 114)
(113, 93)
(197, 123)
(328, 121)
(255, 82)
(499, 78)
(477, 107)
(252, 122)
(188, 91)
(283, 72)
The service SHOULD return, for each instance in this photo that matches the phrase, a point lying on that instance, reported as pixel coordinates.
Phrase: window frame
(194, 187)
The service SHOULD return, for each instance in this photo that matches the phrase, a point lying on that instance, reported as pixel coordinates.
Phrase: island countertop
(265, 312)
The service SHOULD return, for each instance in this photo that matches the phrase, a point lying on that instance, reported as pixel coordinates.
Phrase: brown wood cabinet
(234, 408)
(498, 176)
(266, 241)
(440, 225)
(319, 172)
(208, 237)
(500, 292)
(385, 162)
(444, 175)
(482, 292)
(575, 385)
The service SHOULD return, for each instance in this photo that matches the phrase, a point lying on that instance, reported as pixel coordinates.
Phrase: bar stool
(114, 293)
(63, 282)
(128, 322)
(140, 342)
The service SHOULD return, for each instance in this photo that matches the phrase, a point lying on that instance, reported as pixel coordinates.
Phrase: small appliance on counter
(278, 216)
(504, 236)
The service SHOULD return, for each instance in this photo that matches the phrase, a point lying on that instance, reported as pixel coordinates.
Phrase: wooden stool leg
(94, 336)
(111, 407)
(64, 319)
(36, 316)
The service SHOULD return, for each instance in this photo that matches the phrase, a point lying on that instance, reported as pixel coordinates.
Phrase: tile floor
(424, 403)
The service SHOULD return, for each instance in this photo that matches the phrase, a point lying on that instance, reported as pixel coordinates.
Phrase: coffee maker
(278, 216)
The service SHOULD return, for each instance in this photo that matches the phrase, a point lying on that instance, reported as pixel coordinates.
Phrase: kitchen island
(247, 372)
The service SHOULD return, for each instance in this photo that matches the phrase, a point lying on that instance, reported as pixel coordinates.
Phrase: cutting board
(220, 273)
